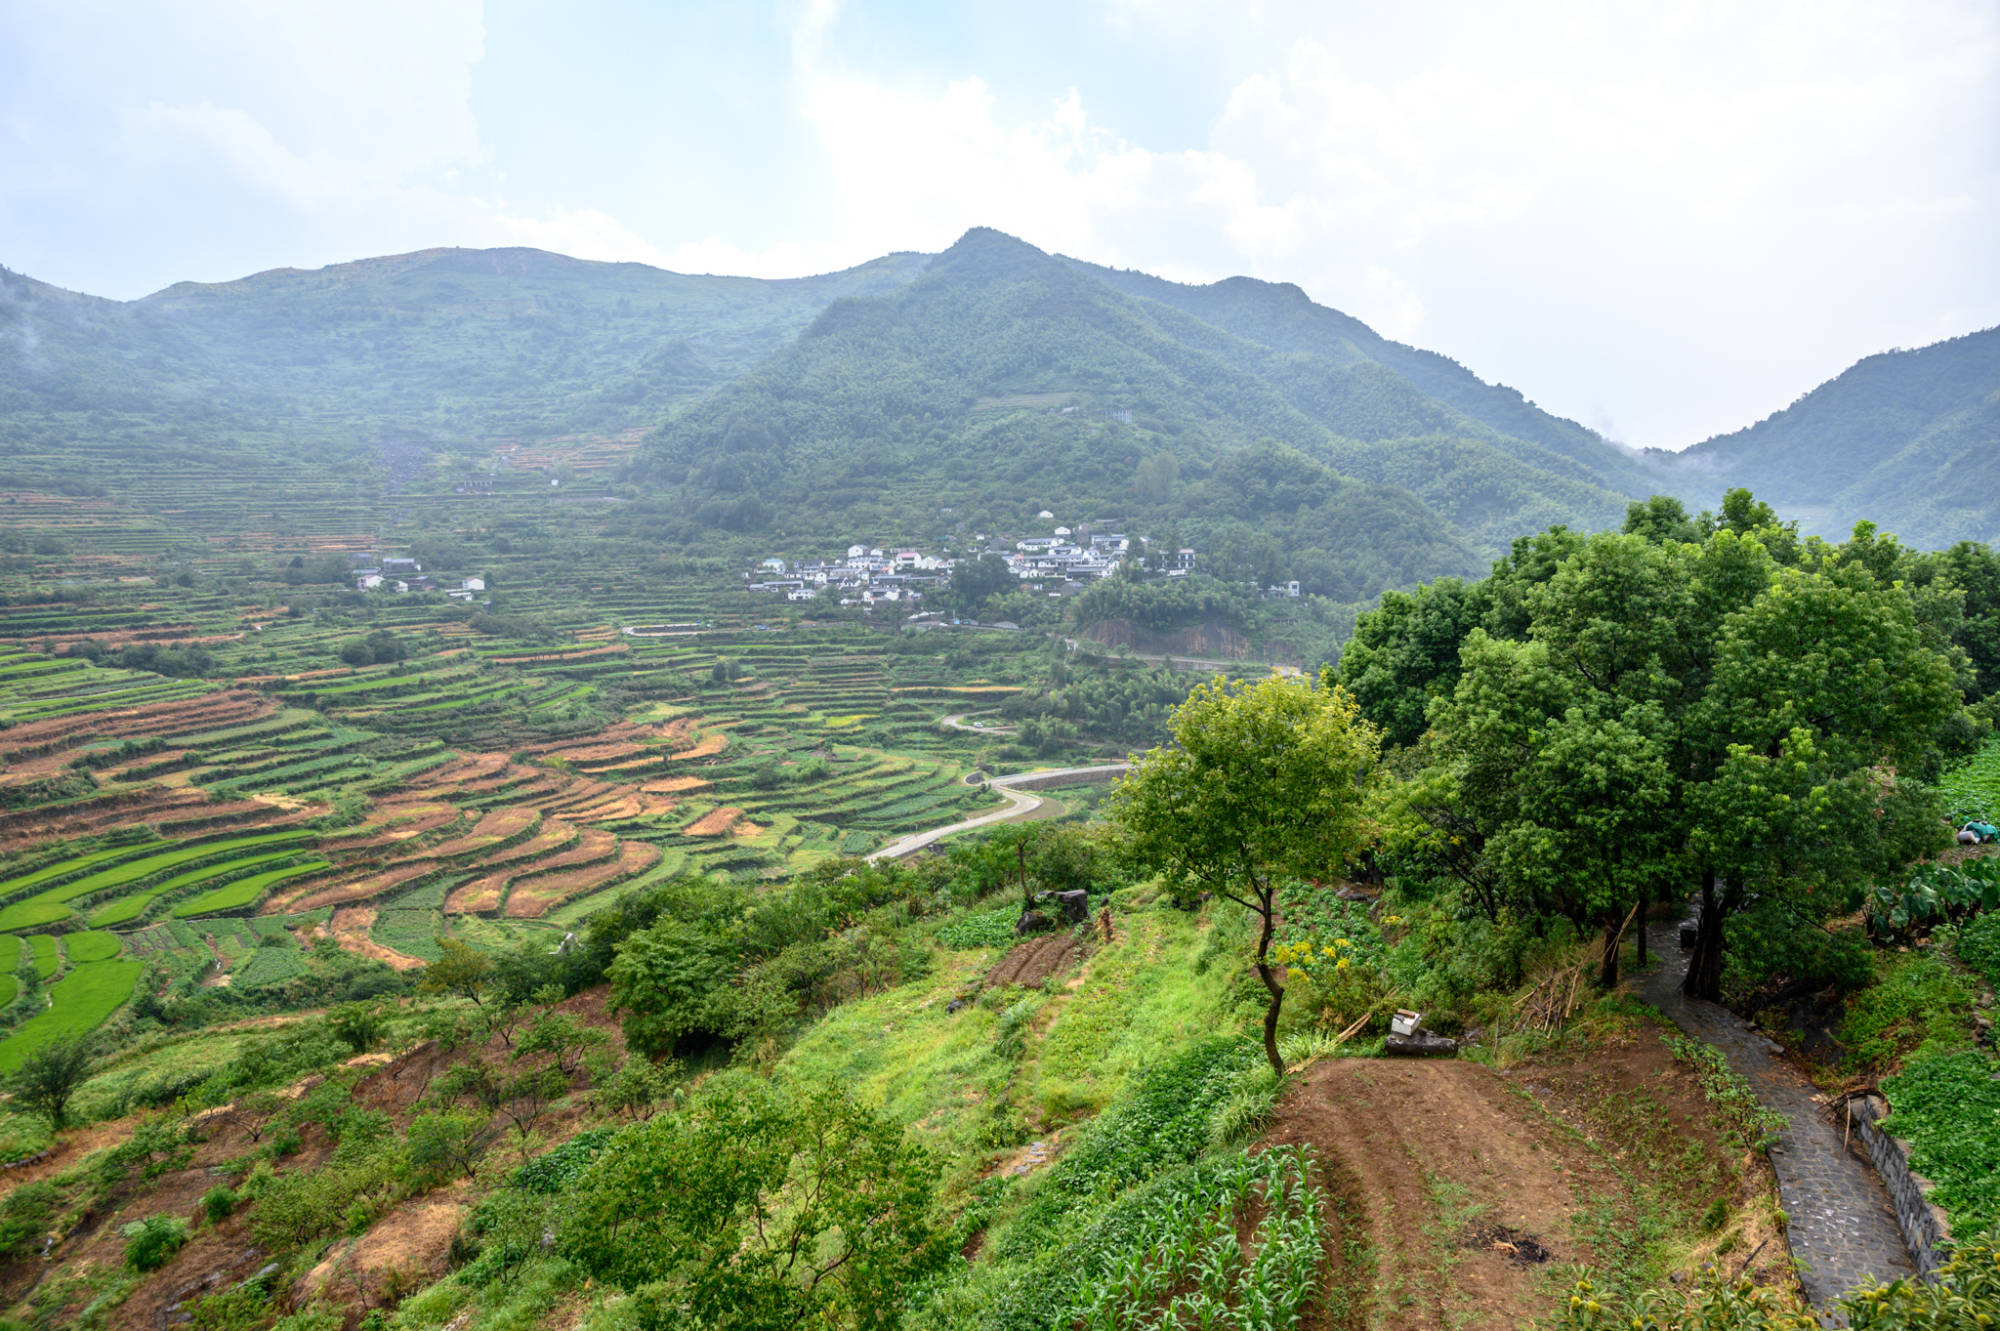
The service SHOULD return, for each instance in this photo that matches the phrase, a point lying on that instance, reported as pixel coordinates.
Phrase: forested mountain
(915, 394)
(1908, 439)
(1005, 380)
(457, 341)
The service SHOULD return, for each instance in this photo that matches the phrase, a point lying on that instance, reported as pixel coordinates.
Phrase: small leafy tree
(671, 980)
(360, 1026)
(1261, 782)
(446, 1143)
(462, 970)
(48, 1078)
(151, 1243)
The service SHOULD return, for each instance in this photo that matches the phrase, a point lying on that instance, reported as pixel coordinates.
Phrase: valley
(477, 857)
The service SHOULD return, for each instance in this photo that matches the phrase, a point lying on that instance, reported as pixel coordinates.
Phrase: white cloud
(1679, 215)
(1663, 208)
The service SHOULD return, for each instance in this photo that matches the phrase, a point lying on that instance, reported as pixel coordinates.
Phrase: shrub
(1978, 946)
(25, 1214)
(217, 1203)
(1917, 1008)
(151, 1243)
(1742, 1118)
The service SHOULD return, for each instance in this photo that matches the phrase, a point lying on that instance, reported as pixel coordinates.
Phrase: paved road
(1842, 1227)
(957, 721)
(1020, 803)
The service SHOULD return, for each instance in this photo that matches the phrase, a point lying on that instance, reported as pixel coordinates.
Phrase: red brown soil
(412, 1237)
(587, 654)
(490, 831)
(531, 900)
(714, 823)
(1034, 960)
(675, 785)
(210, 711)
(350, 926)
(711, 744)
(591, 847)
(392, 824)
(552, 836)
(319, 894)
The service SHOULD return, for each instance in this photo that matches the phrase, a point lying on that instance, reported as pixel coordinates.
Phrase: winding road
(1017, 790)
(957, 721)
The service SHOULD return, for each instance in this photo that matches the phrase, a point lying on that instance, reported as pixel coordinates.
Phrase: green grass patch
(92, 945)
(34, 910)
(47, 960)
(1948, 1108)
(987, 928)
(1972, 789)
(244, 891)
(1978, 946)
(81, 1000)
(1917, 1008)
(121, 909)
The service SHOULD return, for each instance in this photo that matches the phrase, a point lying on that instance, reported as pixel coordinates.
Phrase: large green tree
(1261, 782)
(1644, 713)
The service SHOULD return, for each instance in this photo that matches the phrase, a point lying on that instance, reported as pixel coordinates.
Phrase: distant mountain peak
(983, 254)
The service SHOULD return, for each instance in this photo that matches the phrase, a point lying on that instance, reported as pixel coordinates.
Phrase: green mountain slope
(299, 379)
(1396, 389)
(1908, 439)
(1482, 455)
(1005, 380)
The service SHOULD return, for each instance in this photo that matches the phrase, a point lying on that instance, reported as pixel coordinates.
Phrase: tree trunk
(1704, 973)
(1267, 911)
(1607, 975)
(1645, 900)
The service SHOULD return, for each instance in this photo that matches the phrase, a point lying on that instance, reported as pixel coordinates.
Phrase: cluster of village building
(407, 575)
(1058, 564)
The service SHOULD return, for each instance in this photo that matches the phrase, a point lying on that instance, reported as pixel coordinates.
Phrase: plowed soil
(1435, 1157)
(1034, 960)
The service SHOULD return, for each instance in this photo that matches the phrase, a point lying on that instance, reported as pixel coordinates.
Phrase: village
(407, 575)
(1059, 564)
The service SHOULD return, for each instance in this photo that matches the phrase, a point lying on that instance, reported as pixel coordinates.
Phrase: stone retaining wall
(1925, 1228)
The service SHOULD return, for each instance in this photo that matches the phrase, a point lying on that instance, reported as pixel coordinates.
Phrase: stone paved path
(1842, 1227)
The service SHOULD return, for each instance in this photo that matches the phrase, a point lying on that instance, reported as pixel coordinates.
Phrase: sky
(1666, 220)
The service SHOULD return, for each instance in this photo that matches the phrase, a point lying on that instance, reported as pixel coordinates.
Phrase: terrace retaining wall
(1925, 1227)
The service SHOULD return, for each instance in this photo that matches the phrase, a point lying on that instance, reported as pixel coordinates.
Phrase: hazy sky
(1663, 219)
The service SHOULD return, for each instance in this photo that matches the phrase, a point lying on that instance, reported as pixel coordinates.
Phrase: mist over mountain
(1907, 439)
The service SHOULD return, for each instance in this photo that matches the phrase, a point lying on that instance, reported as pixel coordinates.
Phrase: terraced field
(496, 779)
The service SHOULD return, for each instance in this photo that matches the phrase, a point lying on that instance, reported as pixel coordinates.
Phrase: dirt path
(1843, 1227)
